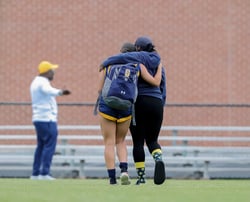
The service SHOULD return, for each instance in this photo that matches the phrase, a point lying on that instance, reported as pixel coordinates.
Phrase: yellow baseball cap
(45, 66)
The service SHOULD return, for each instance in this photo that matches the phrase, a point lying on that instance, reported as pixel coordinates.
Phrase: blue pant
(46, 144)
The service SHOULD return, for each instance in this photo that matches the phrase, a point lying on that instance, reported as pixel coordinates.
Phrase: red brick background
(204, 46)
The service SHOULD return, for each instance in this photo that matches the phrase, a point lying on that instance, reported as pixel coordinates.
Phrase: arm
(163, 86)
(122, 58)
(102, 75)
(101, 81)
(48, 89)
(156, 80)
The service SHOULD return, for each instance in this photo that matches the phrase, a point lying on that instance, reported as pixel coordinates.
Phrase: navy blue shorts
(114, 114)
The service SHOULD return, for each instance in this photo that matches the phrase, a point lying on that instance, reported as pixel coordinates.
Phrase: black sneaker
(112, 181)
(159, 173)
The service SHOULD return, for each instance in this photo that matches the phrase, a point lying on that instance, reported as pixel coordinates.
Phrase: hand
(66, 92)
(101, 67)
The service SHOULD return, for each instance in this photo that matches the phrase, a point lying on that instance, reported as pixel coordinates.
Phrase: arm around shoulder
(156, 80)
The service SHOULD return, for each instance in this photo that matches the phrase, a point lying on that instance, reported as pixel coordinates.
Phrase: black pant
(148, 117)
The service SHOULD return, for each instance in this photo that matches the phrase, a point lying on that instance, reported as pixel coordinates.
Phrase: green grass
(98, 190)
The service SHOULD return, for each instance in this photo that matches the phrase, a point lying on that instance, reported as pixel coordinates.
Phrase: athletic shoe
(140, 181)
(46, 177)
(124, 179)
(112, 181)
(34, 177)
(159, 173)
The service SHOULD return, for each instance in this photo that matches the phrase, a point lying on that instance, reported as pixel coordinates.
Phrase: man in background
(44, 118)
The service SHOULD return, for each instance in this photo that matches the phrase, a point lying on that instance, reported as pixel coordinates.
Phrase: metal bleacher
(80, 156)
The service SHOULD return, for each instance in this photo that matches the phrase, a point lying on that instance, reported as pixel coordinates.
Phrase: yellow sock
(156, 151)
(139, 165)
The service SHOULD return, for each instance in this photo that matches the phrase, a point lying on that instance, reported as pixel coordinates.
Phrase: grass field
(98, 190)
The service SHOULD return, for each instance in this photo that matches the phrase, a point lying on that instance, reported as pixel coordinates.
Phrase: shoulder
(40, 81)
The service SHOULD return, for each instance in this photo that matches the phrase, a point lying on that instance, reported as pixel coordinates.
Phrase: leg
(108, 129)
(137, 132)
(150, 115)
(121, 132)
(38, 152)
(50, 140)
(154, 120)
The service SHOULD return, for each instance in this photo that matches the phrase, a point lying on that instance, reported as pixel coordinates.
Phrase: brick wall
(204, 46)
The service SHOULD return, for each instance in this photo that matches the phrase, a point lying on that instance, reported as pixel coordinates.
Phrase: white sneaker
(45, 177)
(125, 179)
(34, 177)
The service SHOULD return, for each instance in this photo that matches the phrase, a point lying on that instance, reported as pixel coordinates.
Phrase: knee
(120, 141)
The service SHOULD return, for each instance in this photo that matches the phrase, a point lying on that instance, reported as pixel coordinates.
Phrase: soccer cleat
(140, 181)
(159, 173)
(45, 177)
(112, 181)
(125, 179)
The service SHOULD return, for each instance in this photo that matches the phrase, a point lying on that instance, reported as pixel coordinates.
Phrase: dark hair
(148, 48)
(145, 44)
(127, 47)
